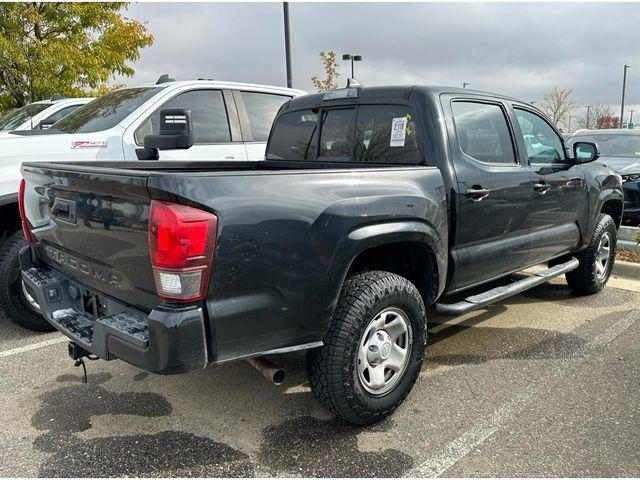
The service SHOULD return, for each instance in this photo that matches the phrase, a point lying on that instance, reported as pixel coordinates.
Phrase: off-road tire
(12, 300)
(584, 279)
(331, 369)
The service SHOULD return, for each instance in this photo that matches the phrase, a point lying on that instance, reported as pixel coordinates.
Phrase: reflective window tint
(208, 113)
(107, 111)
(482, 132)
(386, 134)
(542, 142)
(60, 114)
(261, 109)
(294, 137)
(336, 134)
(17, 117)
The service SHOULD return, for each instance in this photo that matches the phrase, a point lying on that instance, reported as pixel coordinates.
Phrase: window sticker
(398, 132)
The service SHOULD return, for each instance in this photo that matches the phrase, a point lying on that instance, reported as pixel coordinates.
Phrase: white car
(229, 121)
(39, 115)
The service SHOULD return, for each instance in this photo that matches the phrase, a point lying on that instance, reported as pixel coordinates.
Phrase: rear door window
(483, 133)
(208, 113)
(261, 109)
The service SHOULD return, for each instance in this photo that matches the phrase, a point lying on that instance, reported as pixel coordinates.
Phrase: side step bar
(500, 293)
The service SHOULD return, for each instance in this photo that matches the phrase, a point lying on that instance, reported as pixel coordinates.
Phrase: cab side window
(208, 113)
(542, 142)
(483, 133)
(261, 110)
(60, 114)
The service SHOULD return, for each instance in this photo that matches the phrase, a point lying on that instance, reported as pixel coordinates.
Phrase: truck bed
(286, 235)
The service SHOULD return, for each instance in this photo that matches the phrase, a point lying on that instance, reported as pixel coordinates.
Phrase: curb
(627, 234)
(626, 270)
(627, 245)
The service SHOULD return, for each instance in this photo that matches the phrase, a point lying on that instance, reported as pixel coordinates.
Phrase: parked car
(39, 115)
(230, 121)
(372, 204)
(620, 151)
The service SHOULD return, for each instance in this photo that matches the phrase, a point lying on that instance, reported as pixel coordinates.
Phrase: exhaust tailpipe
(271, 371)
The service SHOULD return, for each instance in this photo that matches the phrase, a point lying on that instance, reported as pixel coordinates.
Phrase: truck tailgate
(93, 228)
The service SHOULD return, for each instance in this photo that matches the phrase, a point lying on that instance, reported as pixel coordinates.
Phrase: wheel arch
(413, 249)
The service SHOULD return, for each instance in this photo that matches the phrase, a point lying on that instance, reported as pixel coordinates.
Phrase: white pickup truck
(231, 121)
(39, 115)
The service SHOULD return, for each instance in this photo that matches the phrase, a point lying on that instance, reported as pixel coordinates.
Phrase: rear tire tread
(12, 302)
(328, 366)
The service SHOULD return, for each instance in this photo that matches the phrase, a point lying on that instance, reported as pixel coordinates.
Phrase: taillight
(182, 244)
(25, 226)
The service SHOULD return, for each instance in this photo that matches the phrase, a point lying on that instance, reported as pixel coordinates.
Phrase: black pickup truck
(373, 203)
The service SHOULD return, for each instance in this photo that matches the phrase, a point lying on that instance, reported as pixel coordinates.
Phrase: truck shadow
(69, 409)
(297, 444)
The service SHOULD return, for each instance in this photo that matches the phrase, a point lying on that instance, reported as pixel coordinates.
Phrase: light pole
(353, 58)
(287, 43)
(464, 84)
(624, 84)
(631, 119)
(588, 111)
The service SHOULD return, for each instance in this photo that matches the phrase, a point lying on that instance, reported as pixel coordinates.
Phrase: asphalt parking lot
(542, 384)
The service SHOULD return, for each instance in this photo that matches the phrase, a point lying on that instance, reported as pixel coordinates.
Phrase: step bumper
(168, 340)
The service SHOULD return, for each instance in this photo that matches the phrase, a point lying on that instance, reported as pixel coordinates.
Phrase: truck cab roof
(376, 94)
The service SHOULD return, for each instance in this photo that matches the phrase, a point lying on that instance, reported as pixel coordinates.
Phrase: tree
(557, 105)
(331, 72)
(600, 116)
(65, 48)
(607, 121)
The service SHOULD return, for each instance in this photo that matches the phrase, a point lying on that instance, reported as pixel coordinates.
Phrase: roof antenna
(165, 78)
(353, 83)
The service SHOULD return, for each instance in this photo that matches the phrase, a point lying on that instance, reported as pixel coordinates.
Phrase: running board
(500, 293)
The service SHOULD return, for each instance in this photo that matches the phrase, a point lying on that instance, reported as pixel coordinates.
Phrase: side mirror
(176, 130)
(44, 124)
(585, 152)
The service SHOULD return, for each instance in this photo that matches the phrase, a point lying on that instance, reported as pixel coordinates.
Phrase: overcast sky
(519, 49)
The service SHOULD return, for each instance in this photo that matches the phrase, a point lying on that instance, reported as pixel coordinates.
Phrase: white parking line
(33, 346)
(438, 464)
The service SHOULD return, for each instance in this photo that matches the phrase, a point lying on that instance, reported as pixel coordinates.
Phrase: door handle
(542, 187)
(477, 193)
(229, 158)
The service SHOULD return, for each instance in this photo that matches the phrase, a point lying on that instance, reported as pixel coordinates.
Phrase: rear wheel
(15, 300)
(373, 350)
(596, 261)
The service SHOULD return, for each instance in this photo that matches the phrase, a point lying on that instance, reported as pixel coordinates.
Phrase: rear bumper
(169, 340)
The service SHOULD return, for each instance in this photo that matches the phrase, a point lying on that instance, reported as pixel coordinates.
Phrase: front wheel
(373, 350)
(596, 261)
(15, 300)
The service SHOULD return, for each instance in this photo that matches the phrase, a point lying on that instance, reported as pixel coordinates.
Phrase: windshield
(612, 145)
(14, 119)
(105, 112)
